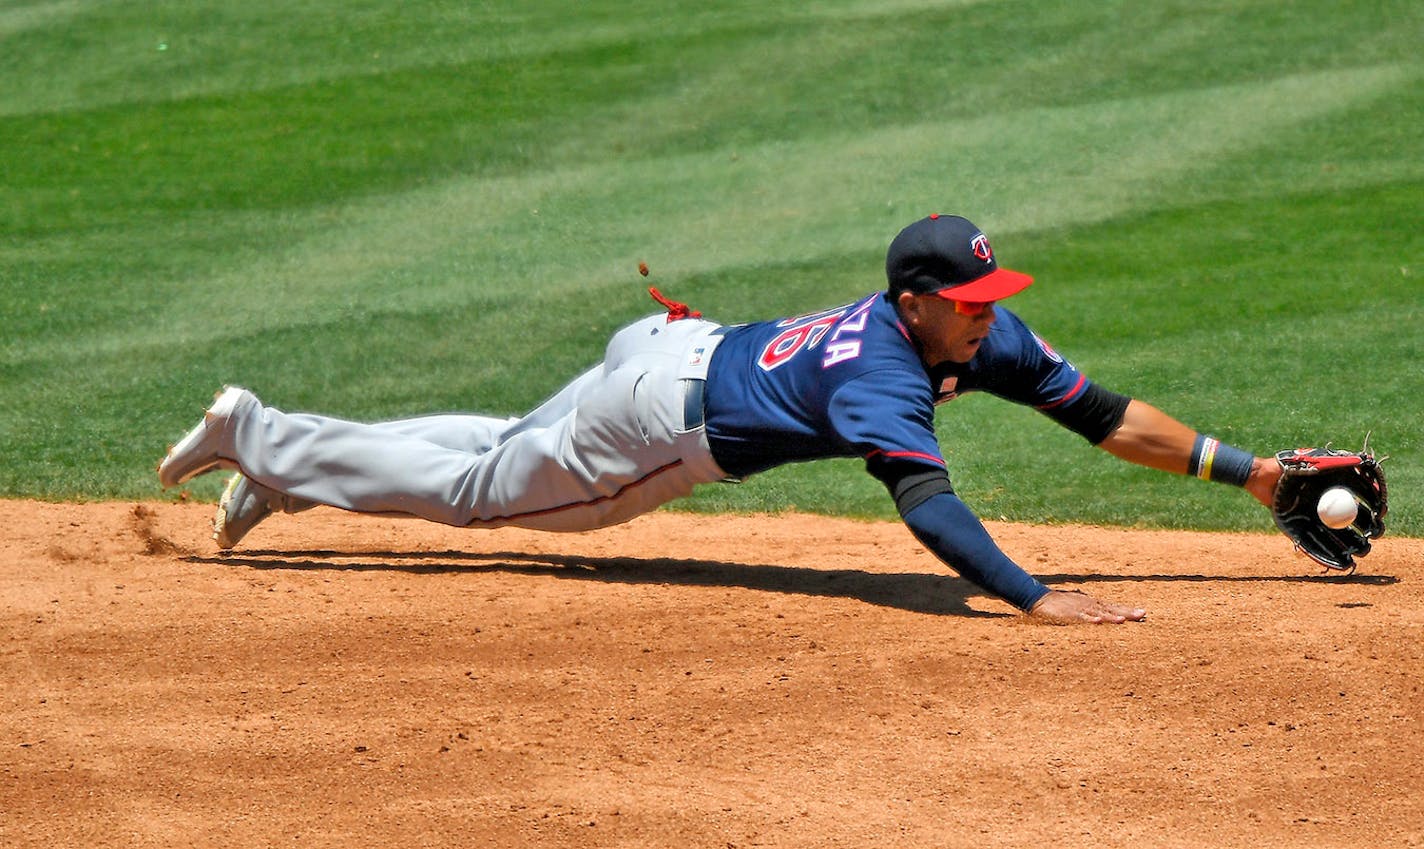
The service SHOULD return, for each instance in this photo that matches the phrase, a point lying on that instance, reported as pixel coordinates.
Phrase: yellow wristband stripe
(1208, 454)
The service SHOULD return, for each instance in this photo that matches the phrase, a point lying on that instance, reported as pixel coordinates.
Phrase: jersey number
(808, 331)
(793, 339)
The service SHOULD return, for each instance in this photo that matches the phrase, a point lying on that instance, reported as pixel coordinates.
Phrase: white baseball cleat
(243, 505)
(199, 450)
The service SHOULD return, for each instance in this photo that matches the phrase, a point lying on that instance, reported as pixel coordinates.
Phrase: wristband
(1216, 461)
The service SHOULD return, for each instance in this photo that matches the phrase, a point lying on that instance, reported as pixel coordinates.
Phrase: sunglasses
(971, 308)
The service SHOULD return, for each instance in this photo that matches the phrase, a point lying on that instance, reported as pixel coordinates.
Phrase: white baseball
(1337, 507)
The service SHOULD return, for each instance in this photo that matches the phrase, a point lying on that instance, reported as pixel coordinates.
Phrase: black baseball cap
(947, 255)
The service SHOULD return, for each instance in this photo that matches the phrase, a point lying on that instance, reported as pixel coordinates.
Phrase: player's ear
(909, 307)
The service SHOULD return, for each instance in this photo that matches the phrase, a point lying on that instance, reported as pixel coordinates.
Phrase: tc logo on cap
(980, 244)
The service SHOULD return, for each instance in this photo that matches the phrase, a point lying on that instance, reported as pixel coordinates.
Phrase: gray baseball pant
(618, 441)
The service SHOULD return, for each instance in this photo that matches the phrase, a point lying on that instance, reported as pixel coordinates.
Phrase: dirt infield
(689, 681)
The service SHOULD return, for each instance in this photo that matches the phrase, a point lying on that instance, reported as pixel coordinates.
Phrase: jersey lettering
(838, 351)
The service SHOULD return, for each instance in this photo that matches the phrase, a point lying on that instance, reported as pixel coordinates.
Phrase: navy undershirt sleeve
(946, 526)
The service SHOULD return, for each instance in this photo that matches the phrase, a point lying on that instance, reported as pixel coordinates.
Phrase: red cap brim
(994, 286)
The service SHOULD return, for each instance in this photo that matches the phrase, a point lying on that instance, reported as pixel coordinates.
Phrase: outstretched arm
(947, 527)
(1149, 437)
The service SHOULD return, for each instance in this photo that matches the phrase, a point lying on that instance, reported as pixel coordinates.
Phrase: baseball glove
(1306, 473)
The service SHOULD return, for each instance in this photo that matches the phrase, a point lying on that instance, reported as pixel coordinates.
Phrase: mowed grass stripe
(573, 232)
(178, 49)
(963, 52)
(383, 125)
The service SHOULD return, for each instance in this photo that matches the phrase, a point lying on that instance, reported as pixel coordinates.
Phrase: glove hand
(1306, 473)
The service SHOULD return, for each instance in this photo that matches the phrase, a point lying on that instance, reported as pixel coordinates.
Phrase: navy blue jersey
(849, 382)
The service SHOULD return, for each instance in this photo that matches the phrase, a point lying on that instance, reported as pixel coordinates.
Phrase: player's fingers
(1096, 612)
(1124, 613)
(1099, 613)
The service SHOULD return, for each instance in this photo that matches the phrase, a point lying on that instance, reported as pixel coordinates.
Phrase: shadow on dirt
(939, 594)
(1327, 578)
(942, 594)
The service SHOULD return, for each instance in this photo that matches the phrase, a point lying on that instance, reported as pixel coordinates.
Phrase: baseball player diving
(680, 401)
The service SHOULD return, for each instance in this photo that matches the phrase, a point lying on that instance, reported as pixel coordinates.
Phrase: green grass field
(377, 209)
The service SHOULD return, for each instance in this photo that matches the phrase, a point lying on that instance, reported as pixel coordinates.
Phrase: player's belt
(694, 394)
(692, 375)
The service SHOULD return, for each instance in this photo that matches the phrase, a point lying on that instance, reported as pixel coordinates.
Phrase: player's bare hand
(1071, 608)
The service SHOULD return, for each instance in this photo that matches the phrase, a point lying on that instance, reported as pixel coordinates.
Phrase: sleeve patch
(1047, 348)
